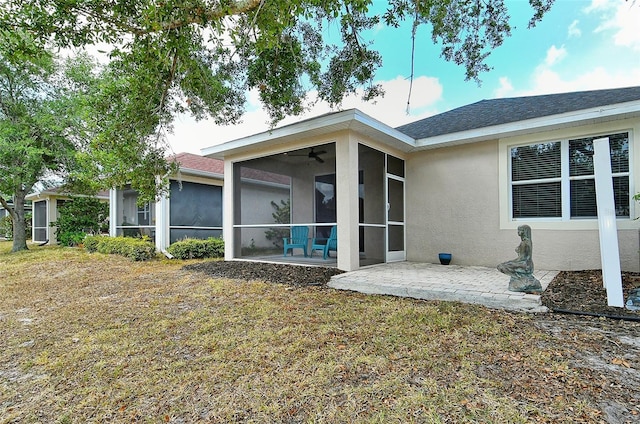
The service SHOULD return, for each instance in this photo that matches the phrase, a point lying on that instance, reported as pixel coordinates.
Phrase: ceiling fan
(313, 155)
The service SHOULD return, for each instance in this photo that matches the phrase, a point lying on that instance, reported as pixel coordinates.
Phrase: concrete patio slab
(468, 284)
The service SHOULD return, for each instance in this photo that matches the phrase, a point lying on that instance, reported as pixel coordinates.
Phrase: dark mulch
(294, 275)
(583, 292)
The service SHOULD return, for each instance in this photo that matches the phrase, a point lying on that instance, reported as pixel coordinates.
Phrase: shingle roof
(492, 112)
(189, 161)
(199, 163)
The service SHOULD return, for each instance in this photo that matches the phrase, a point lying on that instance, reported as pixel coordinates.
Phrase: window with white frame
(557, 179)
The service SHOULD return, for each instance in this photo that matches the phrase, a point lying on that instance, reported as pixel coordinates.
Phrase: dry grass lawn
(96, 338)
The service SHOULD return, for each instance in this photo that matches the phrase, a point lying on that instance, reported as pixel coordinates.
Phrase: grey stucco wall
(453, 205)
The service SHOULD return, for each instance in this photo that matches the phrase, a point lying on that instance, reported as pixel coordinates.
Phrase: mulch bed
(293, 275)
(583, 292)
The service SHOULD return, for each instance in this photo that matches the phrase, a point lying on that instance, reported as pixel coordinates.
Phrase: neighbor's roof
(494, 112)
(190, 162)
(195, 164)
(60, 191)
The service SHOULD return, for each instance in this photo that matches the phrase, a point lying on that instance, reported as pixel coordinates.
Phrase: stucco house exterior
(459, 182)
(45, 210)
(193, 207)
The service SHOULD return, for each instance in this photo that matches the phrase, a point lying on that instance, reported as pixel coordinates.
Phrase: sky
(579, 45)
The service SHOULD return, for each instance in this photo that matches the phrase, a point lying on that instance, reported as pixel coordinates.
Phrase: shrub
(197, 249)
(6, 227)
(133, 248)
(91, 243)
(78, 217)
(71, 238)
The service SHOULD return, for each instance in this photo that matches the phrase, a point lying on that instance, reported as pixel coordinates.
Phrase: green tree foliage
(81, 216)
(203, 56)
(36, 128)
(61, 118)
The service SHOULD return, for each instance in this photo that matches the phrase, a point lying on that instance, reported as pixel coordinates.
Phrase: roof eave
(349, 119)
(199, 173)
(48, 193)
(547, 123)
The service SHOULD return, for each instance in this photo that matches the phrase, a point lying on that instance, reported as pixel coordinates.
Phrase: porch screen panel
(182, 233)
(262, 204)
(196, 209)
(372, 204)
(40, 221)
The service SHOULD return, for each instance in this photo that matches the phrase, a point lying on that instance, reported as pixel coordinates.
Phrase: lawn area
(95, 338)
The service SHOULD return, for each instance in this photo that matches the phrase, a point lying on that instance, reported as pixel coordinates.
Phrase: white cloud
(554, 55)
(191, 136)
(579, 75)
(505, 89)
(626, 23)
(573, 30)
(620, 17)
(546, 81)
(597, 5)
(392, 108)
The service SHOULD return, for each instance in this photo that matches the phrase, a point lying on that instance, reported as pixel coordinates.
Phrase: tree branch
(414, 29)
(5, 204)
(354, 32)
(172, 74)
(195, 15)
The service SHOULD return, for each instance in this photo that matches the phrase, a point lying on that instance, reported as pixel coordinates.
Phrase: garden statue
(521, 268)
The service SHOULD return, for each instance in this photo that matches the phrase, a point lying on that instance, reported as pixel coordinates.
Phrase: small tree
(281, 215)
(79, 217)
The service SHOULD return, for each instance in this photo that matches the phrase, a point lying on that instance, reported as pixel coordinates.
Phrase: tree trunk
(19, 225)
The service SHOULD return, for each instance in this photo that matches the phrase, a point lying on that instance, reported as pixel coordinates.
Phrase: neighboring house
(460, 182)
(4, 212)
(193, 207)
(46, 204)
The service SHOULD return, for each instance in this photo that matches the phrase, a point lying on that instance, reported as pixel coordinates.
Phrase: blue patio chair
(298, 240)
(331, 243)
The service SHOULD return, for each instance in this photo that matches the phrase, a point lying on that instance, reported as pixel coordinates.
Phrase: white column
(609, 253)
(228, 192)
(162, 223)
(52, 212)
(347, 203)
(113, 211)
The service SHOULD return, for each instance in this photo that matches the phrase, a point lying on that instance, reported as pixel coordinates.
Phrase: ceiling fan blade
(319, 159)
